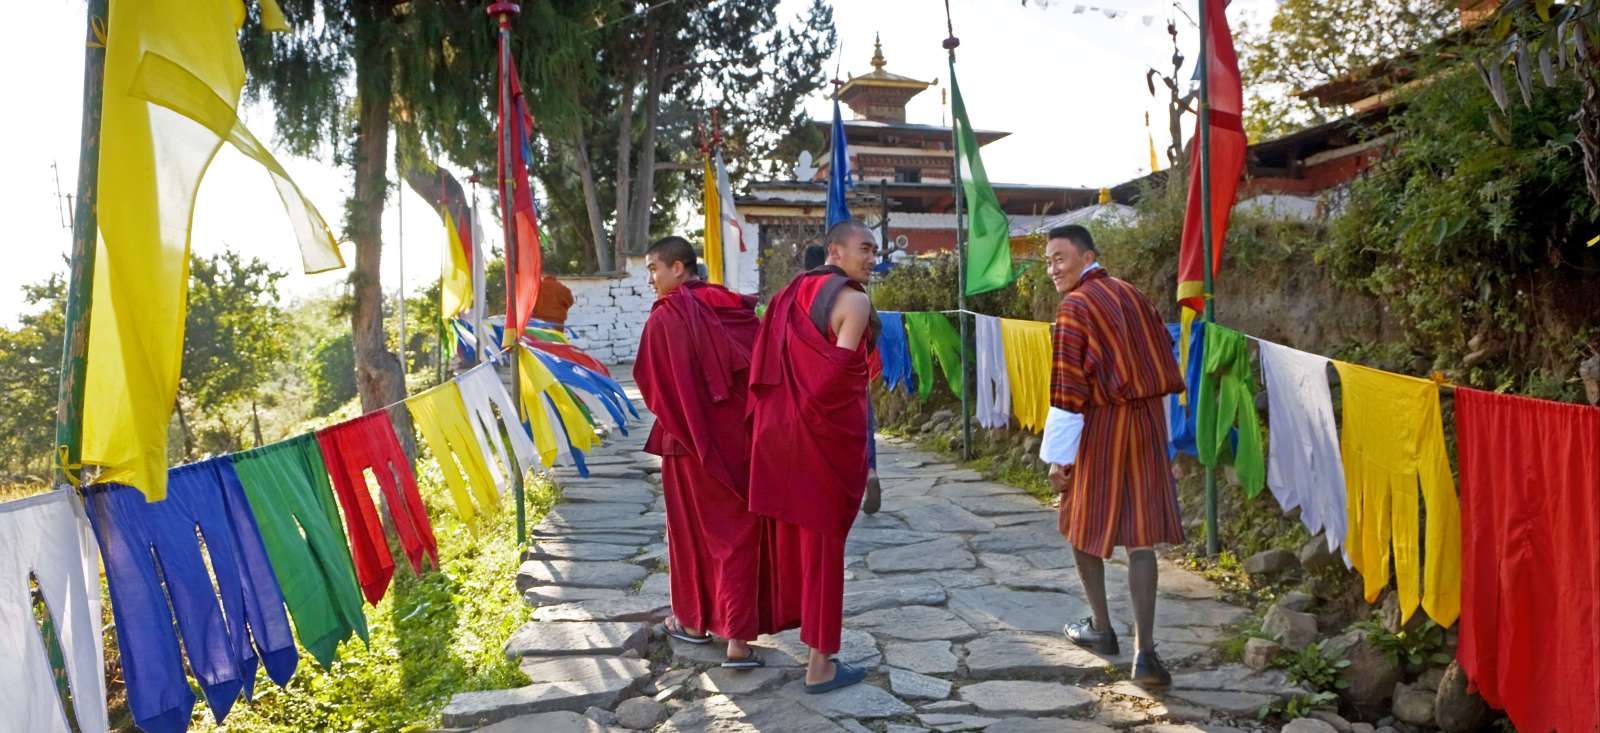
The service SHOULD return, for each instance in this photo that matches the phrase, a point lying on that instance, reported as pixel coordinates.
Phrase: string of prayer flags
(441, 416)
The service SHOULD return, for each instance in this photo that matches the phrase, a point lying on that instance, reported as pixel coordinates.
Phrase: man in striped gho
(1113, 364)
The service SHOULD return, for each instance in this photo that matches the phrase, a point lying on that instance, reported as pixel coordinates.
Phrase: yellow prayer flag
(456, 292)
(173, 73)
(713, 208)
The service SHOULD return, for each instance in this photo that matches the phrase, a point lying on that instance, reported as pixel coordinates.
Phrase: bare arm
(849, 318)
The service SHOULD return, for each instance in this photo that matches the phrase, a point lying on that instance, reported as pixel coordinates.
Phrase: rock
(571, 684)
(953, 707)
(1027, 655)
(998, 504)
(913, 623)
(1060, 559)
(870, 595)
(723, 714)
(927, 657)
(591, 551)
(1315, 555)
(579, 638)
(741, 681)
(640, 713)
(650, 608)
(1308, 725)
(949, 553)
(1259, 653)
(1389, 611)
(1271, 563)
(1006, 564)
(631, 538)
(1430, 679)
(670, 693)
(1340, 725)
(863, 701)
(950, 723)
(584, 514)
(1233, 689)
(944, 519)
(856, 648)
(1016, 698)
(852, 726)
(670, 679)
(658, 584)
(898, 728)
(1372, 673)
(1227, 701)
(1297, 601)
(863, 541)
(1293, 629)
(549, 595)
(1363, 728)
(579, 574)
(913, 686)
(997, 609)
(631, 492)
(1046, 725)
(558, 722)
(1025, 538)
(1413, 704)
(1455, 709)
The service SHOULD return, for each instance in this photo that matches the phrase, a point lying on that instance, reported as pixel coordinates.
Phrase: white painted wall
(608, 313)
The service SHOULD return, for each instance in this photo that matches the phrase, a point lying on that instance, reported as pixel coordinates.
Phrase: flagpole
(400, 205)
(1213, 541)
(950, 44)
(85, 229)
(504, 11)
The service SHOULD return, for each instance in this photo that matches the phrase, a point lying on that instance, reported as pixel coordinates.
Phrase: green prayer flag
(988, 230)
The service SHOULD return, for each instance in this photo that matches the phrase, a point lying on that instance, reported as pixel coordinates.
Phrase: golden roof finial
(877, 52)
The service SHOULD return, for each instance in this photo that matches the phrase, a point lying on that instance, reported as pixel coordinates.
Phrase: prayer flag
(838, 171)
(448, 198)
(523, 289)
(988, 229)
(1226, 158)
(732, 223)
(713, 202)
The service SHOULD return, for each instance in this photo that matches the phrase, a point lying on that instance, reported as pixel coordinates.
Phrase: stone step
(558, 722)
(649, 609)
(573, 685)
(550, 595)
(579, 574)
(578, 638)
(1010, 698)
(590, 551)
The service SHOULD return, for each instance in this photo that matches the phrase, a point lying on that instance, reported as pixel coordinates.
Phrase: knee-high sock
(1092, 571)
(1142, 589)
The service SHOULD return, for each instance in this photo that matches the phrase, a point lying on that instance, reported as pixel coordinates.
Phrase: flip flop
(844, 675)
(675, 630)
(749, 661)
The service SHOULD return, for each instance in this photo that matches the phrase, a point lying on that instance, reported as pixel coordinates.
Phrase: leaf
(1547, 69)
(1524, 75)
(1542, 7)
(1548, 129)
(1497, 86)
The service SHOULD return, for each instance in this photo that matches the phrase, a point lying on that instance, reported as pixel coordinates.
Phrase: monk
(1113, 364)
(693, 372)
(815, 256)
(808, 463)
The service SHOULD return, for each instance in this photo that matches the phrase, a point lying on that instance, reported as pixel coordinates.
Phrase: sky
(1068, 85)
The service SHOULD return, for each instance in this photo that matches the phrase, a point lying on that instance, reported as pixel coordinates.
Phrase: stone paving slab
(856, 647)
(1006, 698)
(579, 574)
(562, 550)
(558, 722)
(1005, 655)
(869, 595)
(742, 681)
(913, 623)
(944, 518)
(537, 639)
(583, 682)
(550, 595)
(628, 608)
(725, 714)
(928, 657)
(1024, 538)
(864, 701)
(997, 609)
(948, 553)
(622, 490)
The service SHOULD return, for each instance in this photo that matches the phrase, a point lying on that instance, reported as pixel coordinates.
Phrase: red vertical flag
(523, 289)
(1227, 154)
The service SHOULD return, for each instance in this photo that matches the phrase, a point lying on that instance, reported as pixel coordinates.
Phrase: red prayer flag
(523, 289)
(1227, 156)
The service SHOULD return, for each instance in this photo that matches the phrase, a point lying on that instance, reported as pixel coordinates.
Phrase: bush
(333, 373)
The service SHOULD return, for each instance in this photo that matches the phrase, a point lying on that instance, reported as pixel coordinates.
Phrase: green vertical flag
(988, 230)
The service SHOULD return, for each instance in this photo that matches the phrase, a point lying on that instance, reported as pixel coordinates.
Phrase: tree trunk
(591, 199)
(639, 229)
(255, 422)
(620, 237)
(379, 379)
(183, 427)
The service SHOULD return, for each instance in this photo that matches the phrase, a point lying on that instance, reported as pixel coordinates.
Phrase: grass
(431, 636)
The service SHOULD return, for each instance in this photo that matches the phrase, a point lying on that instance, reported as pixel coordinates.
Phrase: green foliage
(1311, 668)
(1308, 43)
(431, 636)
(333, 373)
(1415, 650)
(235, 338)
(1299, 706)
(929, 284)
(1472, 232)
(30, 365)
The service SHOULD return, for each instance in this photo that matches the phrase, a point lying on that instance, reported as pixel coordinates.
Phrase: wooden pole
(1213, 540)
(85, 229)
(504, 11)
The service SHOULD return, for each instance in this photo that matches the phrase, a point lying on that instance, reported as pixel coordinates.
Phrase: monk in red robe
(1113, 364)
(808, 463)
(693, 371)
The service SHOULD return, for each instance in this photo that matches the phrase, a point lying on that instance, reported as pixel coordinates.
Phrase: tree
(1312, 42)
(30, 362)
(235, 337)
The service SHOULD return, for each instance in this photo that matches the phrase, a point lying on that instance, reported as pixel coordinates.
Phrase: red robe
(808, 464)
(692, 370)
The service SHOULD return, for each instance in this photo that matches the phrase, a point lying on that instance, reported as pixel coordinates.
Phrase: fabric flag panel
(931, 336)
(48, 537)
(894, 352)
(172, 83)
(732, 225)
(482, 392)
(441, 417)
(523, 290)
(1226, 163)
(838, 171)
(447, 196)
(1228, 402)
(994, 383)
(988, 229)
(1530, 582)
(1304, 468)
(712, 203)
(1028, 357)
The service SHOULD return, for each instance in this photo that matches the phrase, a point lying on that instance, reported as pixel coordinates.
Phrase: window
(908, 175)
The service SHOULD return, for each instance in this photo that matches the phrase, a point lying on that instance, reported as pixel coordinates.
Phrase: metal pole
(1213, 540)
(504, 10)
(85, 228)
(950, 45)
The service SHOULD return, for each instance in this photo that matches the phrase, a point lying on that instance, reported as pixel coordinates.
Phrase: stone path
(955, 596)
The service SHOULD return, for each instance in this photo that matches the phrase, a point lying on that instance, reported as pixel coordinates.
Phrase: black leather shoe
(874, 498)
(1148, 671)
(1084, 634)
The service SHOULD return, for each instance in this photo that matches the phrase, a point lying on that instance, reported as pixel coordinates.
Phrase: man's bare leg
(819, 668)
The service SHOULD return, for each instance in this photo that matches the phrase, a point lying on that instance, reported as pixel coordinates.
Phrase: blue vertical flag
(838, 172)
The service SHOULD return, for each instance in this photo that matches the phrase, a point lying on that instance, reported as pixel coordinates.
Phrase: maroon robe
(692, 370)
(808, 463)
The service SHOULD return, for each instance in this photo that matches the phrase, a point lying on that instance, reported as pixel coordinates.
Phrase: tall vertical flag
(173, 73)
(838, 171)
(732, 223)
(1155, 163)
(712, 205)
(513, 172)
(449, 199)
(988, 229)
(1226, 157)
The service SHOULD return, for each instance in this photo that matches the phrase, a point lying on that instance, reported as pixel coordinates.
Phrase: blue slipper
(844, 675)
(748, 661)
